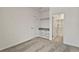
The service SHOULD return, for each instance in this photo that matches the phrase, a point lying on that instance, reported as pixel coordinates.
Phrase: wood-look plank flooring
(41, 45)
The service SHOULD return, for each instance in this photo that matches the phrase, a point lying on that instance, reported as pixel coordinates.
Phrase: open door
(56, 27)
(58, 20)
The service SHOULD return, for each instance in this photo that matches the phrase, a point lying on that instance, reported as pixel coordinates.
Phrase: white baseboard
(18, 42)
(44, 37)
(72, 44)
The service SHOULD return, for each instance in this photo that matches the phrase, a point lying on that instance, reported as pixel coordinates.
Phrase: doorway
(57, 22)
(57, 25)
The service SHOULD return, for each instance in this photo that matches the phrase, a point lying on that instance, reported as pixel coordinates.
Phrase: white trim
(44, 37)
(18, 42)
(50, 23)
(72, 44)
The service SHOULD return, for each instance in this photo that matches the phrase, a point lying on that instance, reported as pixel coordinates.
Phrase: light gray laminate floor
(41, 45)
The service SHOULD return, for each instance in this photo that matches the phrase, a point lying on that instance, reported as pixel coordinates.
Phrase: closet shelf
(46, 18)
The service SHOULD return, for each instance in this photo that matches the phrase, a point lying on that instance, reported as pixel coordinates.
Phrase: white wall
(71, 28)
(71, 22)
(44, 13)
(1, 27)
(18, 25)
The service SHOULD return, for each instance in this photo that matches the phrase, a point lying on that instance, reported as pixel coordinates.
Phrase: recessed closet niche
(44, 22)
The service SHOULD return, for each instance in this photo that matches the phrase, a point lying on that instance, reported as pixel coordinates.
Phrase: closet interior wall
(44, 22)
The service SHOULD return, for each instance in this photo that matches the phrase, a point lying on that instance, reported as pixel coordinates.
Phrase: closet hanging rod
(47, 29)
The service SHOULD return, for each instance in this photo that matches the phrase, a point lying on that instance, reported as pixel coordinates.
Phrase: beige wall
(17, 25)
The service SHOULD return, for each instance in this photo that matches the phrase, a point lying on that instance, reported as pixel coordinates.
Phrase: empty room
(39, 29)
